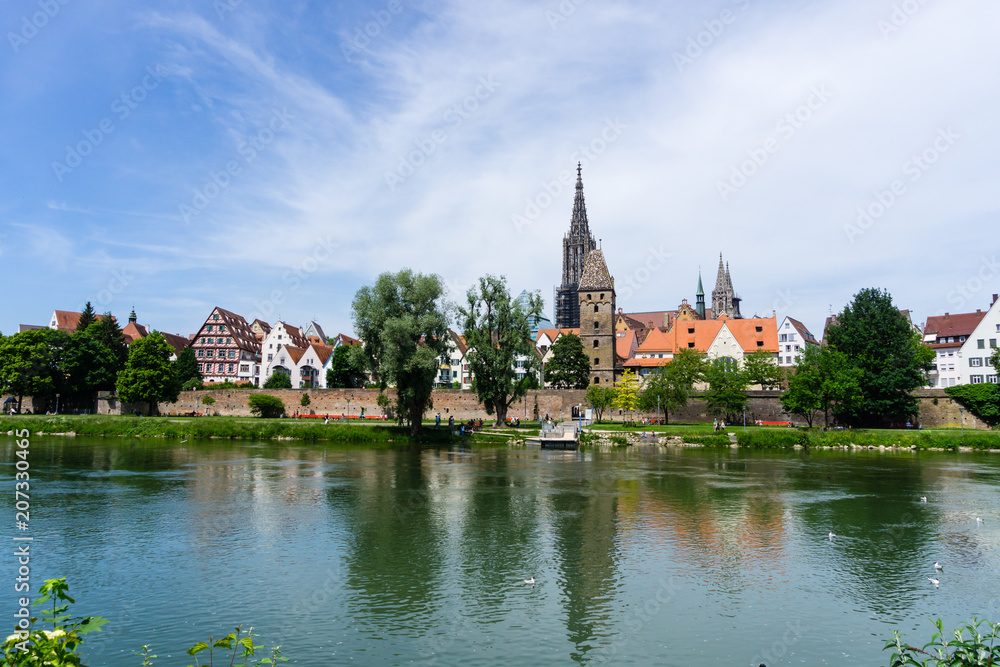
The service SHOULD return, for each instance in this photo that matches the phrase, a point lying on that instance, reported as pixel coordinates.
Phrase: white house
(973, 360)
(281, 335)
(793, 338)
(946, 335)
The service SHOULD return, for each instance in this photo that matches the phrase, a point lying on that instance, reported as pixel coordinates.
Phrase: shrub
(713, 440)
(278, 380)
(982, 400)
(266, 406)
(771, 439)
(979, 648)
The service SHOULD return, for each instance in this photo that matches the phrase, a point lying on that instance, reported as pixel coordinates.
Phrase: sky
(272, 158)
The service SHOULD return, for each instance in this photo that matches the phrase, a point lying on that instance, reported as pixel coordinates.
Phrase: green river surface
(418, 557)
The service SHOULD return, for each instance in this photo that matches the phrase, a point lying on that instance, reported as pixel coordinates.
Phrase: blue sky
(273, 157)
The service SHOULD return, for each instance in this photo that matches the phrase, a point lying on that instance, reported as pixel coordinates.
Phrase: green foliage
(771, 438)
(618, 440)
(27, 367)
(266, 406)
(238, 646)
(149, 376)
(497, 330)
(600, 399)
(87, 317)
(760, 367)
(305, 400)
(87, 367)
(31, 647)
(626, 392)
(714, 440)
(107, 332)
(403, 326)
(347, 369)
(278, 380)
(569, 367)
(726, 395)
(670, 387)
(186, 368)
(970, 644)
(823, 380)
(982, 400)
(878, 340)
(208, 400)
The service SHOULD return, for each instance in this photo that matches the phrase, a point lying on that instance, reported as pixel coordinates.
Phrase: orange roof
(134, 332)
(656, 341)
(555, 333)
(295, 353)
(347, 340)
(67, 320)
(323, 353)
(175, 341)
(625, 344)
(646, 363)
(700, 334)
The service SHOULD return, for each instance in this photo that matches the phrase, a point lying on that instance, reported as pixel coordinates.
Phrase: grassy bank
(236, 428)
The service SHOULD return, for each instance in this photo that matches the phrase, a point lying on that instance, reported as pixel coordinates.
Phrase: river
(406, 557)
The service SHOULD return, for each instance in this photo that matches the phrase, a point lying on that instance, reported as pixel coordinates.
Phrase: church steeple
(699, 298)
(724, 299)
(577, 244)
(131, 316)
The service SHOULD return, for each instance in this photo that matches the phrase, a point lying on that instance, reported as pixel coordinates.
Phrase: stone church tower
(577, 244)
(597, 318)
(724, 299)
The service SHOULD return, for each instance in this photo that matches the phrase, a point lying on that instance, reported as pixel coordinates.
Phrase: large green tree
(600, 397)
(186, 369)
(346, 368)
(569, 367)
(626, 392)
(760, 367)
(27, 366)
(497, 329)
(403, 325)
(87, 317)
(726, 395)
(149, 376)
(86, 368)
(878, 340)
(278, 380)
(107, 332)
(822, 381)
(670, 387)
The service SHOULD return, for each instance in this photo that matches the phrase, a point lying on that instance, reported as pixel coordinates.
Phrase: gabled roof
(625, 344)
(344, 339)
(656, 341)
(67, 320)
(175, 341)
(459, 342)
(636, 362)
(746, 334)
(803, 331)
(295, 353)
(323, 353)
(656, 318)
(236, 326)
(960, 324)
(555, 333)
(314, 329)
(595, 274)
(134, 332)
(630, 321)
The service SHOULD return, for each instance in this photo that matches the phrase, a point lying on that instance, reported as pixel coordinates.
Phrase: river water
(408, 557)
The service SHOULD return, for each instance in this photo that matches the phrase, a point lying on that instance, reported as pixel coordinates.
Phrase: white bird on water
(832, 535)
(937, 566)
(979, 520)
(934, 581)
(923, 499)
(529, 581)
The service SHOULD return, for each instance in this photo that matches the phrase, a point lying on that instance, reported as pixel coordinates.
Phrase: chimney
(994, 299)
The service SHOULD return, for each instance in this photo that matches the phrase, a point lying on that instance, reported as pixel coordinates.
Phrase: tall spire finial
(579, 173)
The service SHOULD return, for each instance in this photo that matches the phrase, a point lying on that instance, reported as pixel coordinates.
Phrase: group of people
(719, 425)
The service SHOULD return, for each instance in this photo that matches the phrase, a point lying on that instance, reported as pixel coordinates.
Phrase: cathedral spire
(577, 244)
(699, 298)
(579, 224)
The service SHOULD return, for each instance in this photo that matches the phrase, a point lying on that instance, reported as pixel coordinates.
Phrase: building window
(595, 342)
(690, 330)
(597, 361)
(976, 379)
(760, 343)
(201, 353)
(596, 308)
(229, 341)
(788, 360)
(597, 380)
(231, 366)
(595, 326)
(222, 327)
(993, 343)
(975, 361)
(787, 325)
(232, 354)
(215, 316)
(783, 338)
(270, 356)
(208, 353)
(590, 297)
(981, 344)
(691, 345)
(992, 379)
(759, 329)
(796, 348)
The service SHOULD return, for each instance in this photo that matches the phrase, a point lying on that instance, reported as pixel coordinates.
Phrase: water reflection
(402, 556)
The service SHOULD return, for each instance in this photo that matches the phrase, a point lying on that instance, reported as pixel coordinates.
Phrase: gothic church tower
(724, 299)
(597, 318)
(577, 245)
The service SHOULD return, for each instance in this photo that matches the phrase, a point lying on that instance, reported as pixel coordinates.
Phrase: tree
(106, 332)
(208, 401)
(599, 398)
(760, 367)
(305, 400)
(86, 367)
(403, 326)
(498, 330)
(995, 360)
(278, 380)
(823, 380)
(670, 386)
(26, 367)
(626, 392)
(149, 376)
(569, 367)
(879, 340)
(346, 368)
(982, 400)
(726, 395)
(87, 318)
(186, 369)
(265, 406)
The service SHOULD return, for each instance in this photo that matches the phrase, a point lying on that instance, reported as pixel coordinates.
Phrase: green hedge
(772, 438)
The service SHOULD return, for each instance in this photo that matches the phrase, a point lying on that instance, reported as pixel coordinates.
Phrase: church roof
(595, 273)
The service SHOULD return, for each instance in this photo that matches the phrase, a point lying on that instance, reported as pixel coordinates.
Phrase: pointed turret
(577, 244)
(699, 298)
(131, 316)
(595, 273)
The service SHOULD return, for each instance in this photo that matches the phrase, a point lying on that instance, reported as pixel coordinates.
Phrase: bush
(266, 406)
(714, 440)
(278, 380)
(979, 648)
(771, 439)
(982, 400)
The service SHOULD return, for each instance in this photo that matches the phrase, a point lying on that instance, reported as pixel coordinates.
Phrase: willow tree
(497, 331)
(402, 324)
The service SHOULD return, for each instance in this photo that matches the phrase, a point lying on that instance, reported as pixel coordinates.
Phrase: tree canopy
(760, 367)
(726, 395)
(107, 332)
(626, 392)
(600, 398)
(278, 380)
(670, 386)
(498, 330)
(87, 317)
(149, 376)
(347, 370)
(569, 367)
(403, 325)
(877, 339)
(822, 381)
(186, 369)
(26, 365)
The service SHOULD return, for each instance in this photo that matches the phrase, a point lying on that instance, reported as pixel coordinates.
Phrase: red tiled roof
(134, 332)
(175, 341)
(625, 344)
(960, 324)
(67, 320)
(555, 333)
